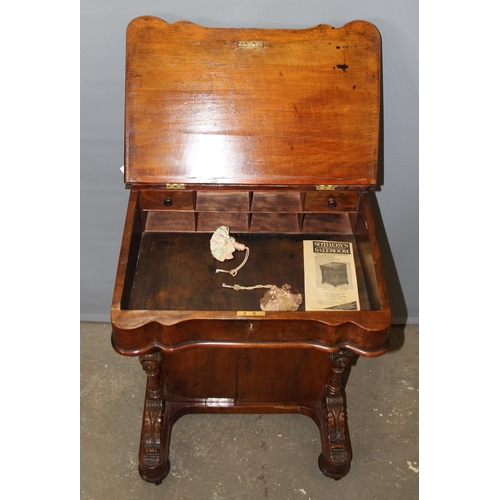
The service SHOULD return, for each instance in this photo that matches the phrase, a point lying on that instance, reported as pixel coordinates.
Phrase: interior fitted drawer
(167, 200)
(275, 222)
(210, 221)
(161, 220)
(336, 223)
(223, 201)
(330, 201)
(276, 202)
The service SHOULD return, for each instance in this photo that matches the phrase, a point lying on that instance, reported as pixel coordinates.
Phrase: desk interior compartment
(174, 270)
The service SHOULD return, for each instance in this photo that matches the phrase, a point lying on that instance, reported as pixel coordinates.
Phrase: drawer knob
(332, 203)
(168, 201)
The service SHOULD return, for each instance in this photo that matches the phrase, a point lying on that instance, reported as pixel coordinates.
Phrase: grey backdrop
(103, 195)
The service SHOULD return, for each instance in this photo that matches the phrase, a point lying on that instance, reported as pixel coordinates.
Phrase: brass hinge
(325, 187)
(175, 186)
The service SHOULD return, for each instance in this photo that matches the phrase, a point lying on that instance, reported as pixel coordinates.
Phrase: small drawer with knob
(330, 201)
(167, 200)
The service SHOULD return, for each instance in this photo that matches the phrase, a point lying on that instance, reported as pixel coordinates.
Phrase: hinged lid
(251, 106)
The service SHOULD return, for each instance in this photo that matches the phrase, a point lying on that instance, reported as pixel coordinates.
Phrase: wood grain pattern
(302, 108)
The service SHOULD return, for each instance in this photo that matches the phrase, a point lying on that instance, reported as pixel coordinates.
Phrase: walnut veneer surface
(299, 106)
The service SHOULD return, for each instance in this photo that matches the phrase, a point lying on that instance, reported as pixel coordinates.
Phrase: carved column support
(151, 466)
(151, 364)
(336, 458)
(341, 365)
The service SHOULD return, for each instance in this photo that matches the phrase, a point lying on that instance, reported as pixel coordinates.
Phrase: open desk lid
(251, 106)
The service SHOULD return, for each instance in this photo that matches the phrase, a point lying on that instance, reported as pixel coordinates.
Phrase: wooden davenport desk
(273, 134)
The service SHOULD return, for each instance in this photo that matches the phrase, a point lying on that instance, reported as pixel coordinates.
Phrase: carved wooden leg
(335, 460)
(153, 456)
